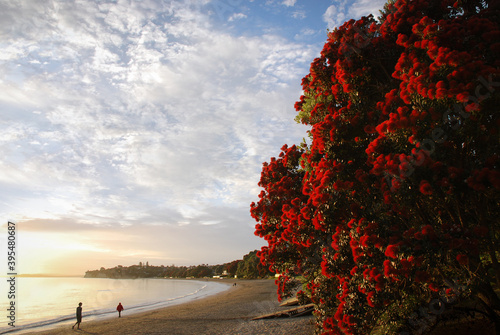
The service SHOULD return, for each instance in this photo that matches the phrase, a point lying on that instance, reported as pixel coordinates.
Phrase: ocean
(44, 303)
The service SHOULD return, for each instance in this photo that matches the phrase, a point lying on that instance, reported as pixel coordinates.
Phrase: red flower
(370, 129)
(428, 231)
(462, 259)
(350, 320)
(388, 269)
(369, 298)
(392, 251)
(347, 88)
(433, 287)
(425, 188)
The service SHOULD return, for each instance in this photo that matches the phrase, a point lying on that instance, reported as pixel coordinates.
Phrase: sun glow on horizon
(53, 253)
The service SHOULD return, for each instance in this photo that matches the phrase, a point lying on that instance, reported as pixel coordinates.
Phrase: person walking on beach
(78, 316)
(119, 308)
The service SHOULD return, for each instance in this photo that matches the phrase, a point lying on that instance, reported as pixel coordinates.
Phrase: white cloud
(118, 115)
(237, 16)
(336, 15)
(289, 3)
(299, 14)
(365, 7)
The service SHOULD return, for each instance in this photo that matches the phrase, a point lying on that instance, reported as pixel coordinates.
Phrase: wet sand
(229, 312)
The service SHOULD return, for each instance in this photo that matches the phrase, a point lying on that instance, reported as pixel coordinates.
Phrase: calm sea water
(43, 303)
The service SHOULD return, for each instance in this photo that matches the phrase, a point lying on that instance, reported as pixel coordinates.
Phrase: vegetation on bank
(247, 268)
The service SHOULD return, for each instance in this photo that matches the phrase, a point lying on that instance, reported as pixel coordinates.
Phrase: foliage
(251, 268)
(396, 200)
(231, 268)
(171, 271)
(248, 268)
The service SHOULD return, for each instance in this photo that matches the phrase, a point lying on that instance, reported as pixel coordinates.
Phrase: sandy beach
(229, 312)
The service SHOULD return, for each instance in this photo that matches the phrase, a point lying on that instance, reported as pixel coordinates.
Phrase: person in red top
(119, 308)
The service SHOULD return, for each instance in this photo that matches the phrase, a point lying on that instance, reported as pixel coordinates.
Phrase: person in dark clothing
(78, 316)
(119, 308)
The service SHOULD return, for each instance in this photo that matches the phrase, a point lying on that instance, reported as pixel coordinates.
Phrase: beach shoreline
(48, 303)
(228, 312)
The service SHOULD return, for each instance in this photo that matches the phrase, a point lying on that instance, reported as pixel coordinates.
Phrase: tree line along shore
(247, 268)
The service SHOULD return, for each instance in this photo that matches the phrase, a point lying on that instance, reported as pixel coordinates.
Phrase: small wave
(38, 324)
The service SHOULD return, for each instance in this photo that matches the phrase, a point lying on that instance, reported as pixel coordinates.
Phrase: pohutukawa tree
(391, 213)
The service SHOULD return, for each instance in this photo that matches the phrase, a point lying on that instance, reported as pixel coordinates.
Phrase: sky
(135, 131)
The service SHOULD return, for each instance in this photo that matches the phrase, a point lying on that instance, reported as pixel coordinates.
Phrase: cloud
(365, 7)
(237, 16)
(299, 14)
(220, 238)
(307, 34)
(131, 115)
(289, 3)
(336, 15)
